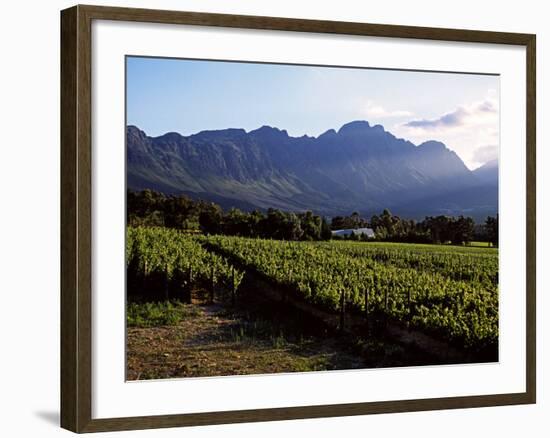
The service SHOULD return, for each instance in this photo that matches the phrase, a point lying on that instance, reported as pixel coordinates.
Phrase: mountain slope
(488, 173)
(359, 168)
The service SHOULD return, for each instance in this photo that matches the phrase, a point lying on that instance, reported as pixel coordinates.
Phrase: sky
(189, 96)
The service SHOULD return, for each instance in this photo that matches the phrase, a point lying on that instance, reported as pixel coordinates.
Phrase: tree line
(150, 208)
(433, 229)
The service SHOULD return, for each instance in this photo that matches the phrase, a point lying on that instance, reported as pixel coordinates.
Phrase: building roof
(369, 232)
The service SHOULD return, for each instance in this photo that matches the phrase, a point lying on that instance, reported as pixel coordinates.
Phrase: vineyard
(170, 260)
(450, 292)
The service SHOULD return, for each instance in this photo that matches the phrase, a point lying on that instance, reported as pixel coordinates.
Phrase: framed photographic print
(269, 218)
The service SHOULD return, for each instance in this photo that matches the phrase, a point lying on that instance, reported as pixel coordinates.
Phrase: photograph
(287, 218)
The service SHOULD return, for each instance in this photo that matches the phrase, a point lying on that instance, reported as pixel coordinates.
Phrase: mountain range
(360, 167)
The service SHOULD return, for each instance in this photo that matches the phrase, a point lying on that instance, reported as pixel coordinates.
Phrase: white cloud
(372, 110)
(477, 113)
(467, 129)
(486, 153)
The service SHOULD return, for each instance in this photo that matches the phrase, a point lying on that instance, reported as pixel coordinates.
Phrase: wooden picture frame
(76, 217)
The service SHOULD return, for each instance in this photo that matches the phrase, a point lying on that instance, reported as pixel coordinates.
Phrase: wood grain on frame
(76, 238)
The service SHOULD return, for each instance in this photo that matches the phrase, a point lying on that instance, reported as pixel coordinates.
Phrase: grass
(481, 244)
(156, 314)
(251, 330)
(471, 248)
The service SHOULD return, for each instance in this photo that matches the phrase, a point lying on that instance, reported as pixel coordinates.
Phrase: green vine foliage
(176, 253)
(449, 291)
(453, 291)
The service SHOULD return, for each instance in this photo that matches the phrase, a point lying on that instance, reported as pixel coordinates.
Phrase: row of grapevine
(457, 263)
(177, 256)
(454, 295)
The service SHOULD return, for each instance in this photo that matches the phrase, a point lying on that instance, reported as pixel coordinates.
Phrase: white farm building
(368, 232)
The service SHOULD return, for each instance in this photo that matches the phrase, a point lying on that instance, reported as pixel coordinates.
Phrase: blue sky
(188, 96)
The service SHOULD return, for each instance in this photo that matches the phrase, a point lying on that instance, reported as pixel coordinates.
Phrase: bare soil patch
(213, 340)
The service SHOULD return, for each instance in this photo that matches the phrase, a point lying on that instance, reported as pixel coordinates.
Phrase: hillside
(357, 168)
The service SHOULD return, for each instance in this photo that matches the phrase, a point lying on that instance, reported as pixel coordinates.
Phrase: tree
(280, 225)
(387, 221)
(210, 219)
(311, 226)
(326, 233)
(292, 228)
(491, 226)
(462, 230)
(236, 223)
(353, 221)
(254, 219)
(439, 229)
